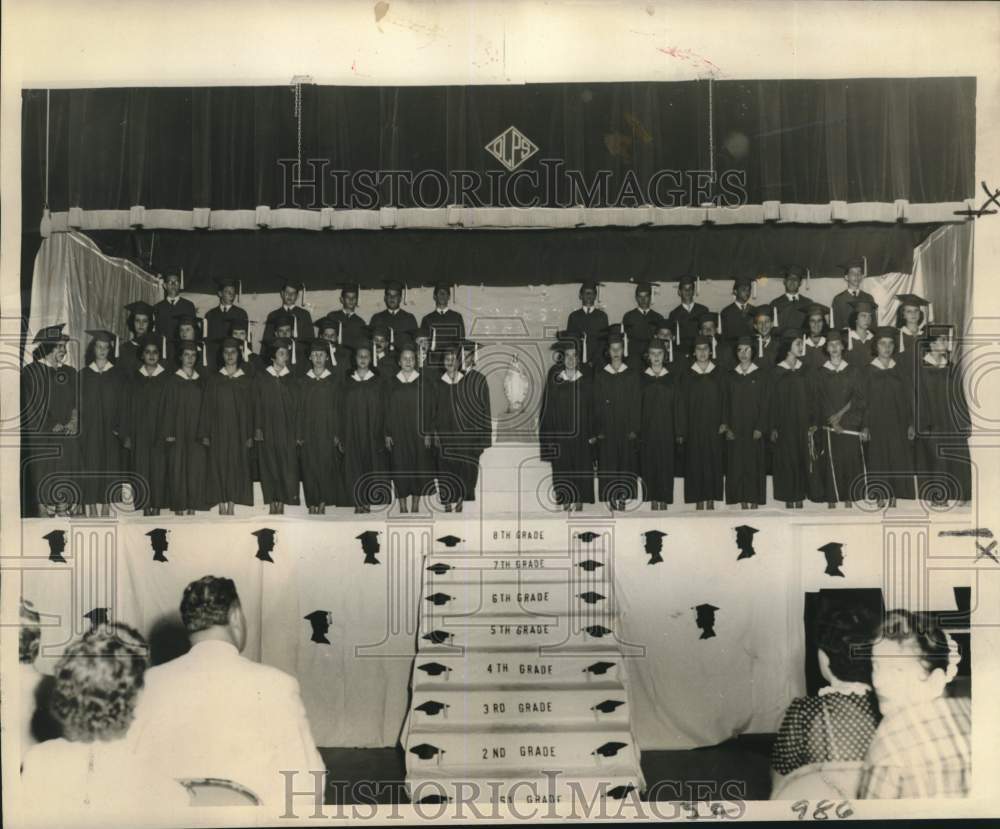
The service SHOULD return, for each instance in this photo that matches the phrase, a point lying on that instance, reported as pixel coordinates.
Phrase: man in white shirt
(213, 713)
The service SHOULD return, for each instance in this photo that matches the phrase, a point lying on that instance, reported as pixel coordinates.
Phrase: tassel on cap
(117, 338)
(902, 345)
(204, 328)
(294, 349)
(774, 314)
(295, 326)
(677, 331)
(204, 356)
(340, 333)
(697, 285)
(930, 312)
(182, 279)
(625, 341)
(760, 347)
(434, 338)
(585, 347)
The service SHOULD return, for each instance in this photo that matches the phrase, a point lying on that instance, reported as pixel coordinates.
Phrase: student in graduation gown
(383, 354)
(219, 321)
(746, 417)
(251, 362)
(141, 434)
(736, 318)
(50, 424)
(888, 423)
(173, 306)
(814, 341)
(789, 425)
(789, 310)
(590, 324)
(482, 413)
(189, 329)
(767, 339)
(225, 429)
(187, 456)
(910, 320)
(840, 307)
(328, 330)
(318, 431)
(860, 339)
(363, 432)
(702, 426)
(301, 319)
(445, 326)
(102, 393)
(284, 328)
(943, 424)
(407, 437)
(275, 420)
(720, 350)
(565, 433)
(398, 320)
(685, 319)
(140, 323)
(661, 399)
(641, 322)
(351, 326)
(838, 415)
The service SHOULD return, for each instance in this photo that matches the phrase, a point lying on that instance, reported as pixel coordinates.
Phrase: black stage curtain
(805, 141)
(323, 259)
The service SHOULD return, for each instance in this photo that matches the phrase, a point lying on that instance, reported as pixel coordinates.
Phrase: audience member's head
(97, 684)
(210, 609)
(912, 660)
(842, 640)
(31, 634)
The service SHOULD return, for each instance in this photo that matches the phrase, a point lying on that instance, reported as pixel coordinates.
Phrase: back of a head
(30, 634)
(845, 636)
(902, 626)
(207, 603)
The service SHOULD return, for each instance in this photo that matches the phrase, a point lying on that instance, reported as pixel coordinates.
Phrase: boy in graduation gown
(275, 419)
(102, 393)
(840, 307)
(702, 427)
(220, 319)
(289, 291)
(814, 341)
(187, 456)
(445, 326)
(661, 401)
(910, 320)
(172, 306)
(383, 353)
(589, 323)
(189, 330)
(250, 361)
(888, 423)
(860, 339)
(141, 435)
(482, 413)
(789, 424)
(407, 439)
(284, 327)
(351, 326)
(140, 323)
(225, 429)
(788, 310)
(641, 322)
(328, 330)
(393, 317)
(721, 351)
(616, 423)
(737, 317)
(767, 341)
(318, 431)
(746, 419)
(363, 433)
(685, 319)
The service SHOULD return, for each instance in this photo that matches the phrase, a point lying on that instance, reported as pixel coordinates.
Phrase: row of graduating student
(831, 432)
(190, 438)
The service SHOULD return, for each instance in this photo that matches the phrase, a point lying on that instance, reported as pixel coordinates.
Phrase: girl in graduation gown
(943, 423)
(141, 434)
(616, 423)
(457, 432)
(838, 414)
(226, 430)
(661, 399)
(565, 431)
(814, 341)
(789, 423)
(910, 321)
(860, 339)
(407, 439)
(888, 424)
(363, 433)
(701, 427)
(50, 424)
(275, 421)
(187, 456)
(318, 431)
(103, 395)
(746, 417)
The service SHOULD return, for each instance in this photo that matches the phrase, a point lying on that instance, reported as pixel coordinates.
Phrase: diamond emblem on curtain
(511, 148)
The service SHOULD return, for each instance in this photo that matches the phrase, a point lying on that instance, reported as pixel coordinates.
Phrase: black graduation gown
(402, 322)
(227, 421)
(943, 427)
(187, 456)
(789, 414)
(362, 413)
(482, 412)
(859, 354)
(641, 328)
(687, 322)
(48, 398)
(564, 435)
(907, 354)
(661, 398)
(746, 411)
(791, 313)
(617, 412)
(449, 328)
(317, 424)
(737, 322)
(410, 461)
(102, 410)
(842, 310)
(457, 428)
(815, 355)
(842, 464)
(888, 413)
(702, 412)
(129, 358)
(165, 316)
(351, 329)
(143, 412)
(275, 417)
(302, 328)
(219, 323)
(592, 325)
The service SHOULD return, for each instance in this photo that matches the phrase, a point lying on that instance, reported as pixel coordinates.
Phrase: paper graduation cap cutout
(654, 545)
(590, 597)
(744, 540)
(57, 544)
(450, 540)
(431, 708)
(608, 706)
(320, 621)
(439, 568)
(265, 543)
(438, 599)
(609, 749)
(369, 546)
(98, 616)
(834, 553)
(158, 541)
(590, 565)
(705, 619)
(425, 751)
(437, 637)
(597, 631)
(599, 668)
(619, 792)
(588, 536)
(433, 668)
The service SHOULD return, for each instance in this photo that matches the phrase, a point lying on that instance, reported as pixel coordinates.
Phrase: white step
(512, 785)
(516, 669)
(492, 633)
(512, 569)
(531, 600)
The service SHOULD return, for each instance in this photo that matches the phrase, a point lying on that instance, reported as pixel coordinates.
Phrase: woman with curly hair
(93, 766)
(923, 746)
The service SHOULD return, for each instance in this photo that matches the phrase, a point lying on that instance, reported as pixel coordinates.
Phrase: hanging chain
(48, 94)
(298, 125)
(711, 136)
